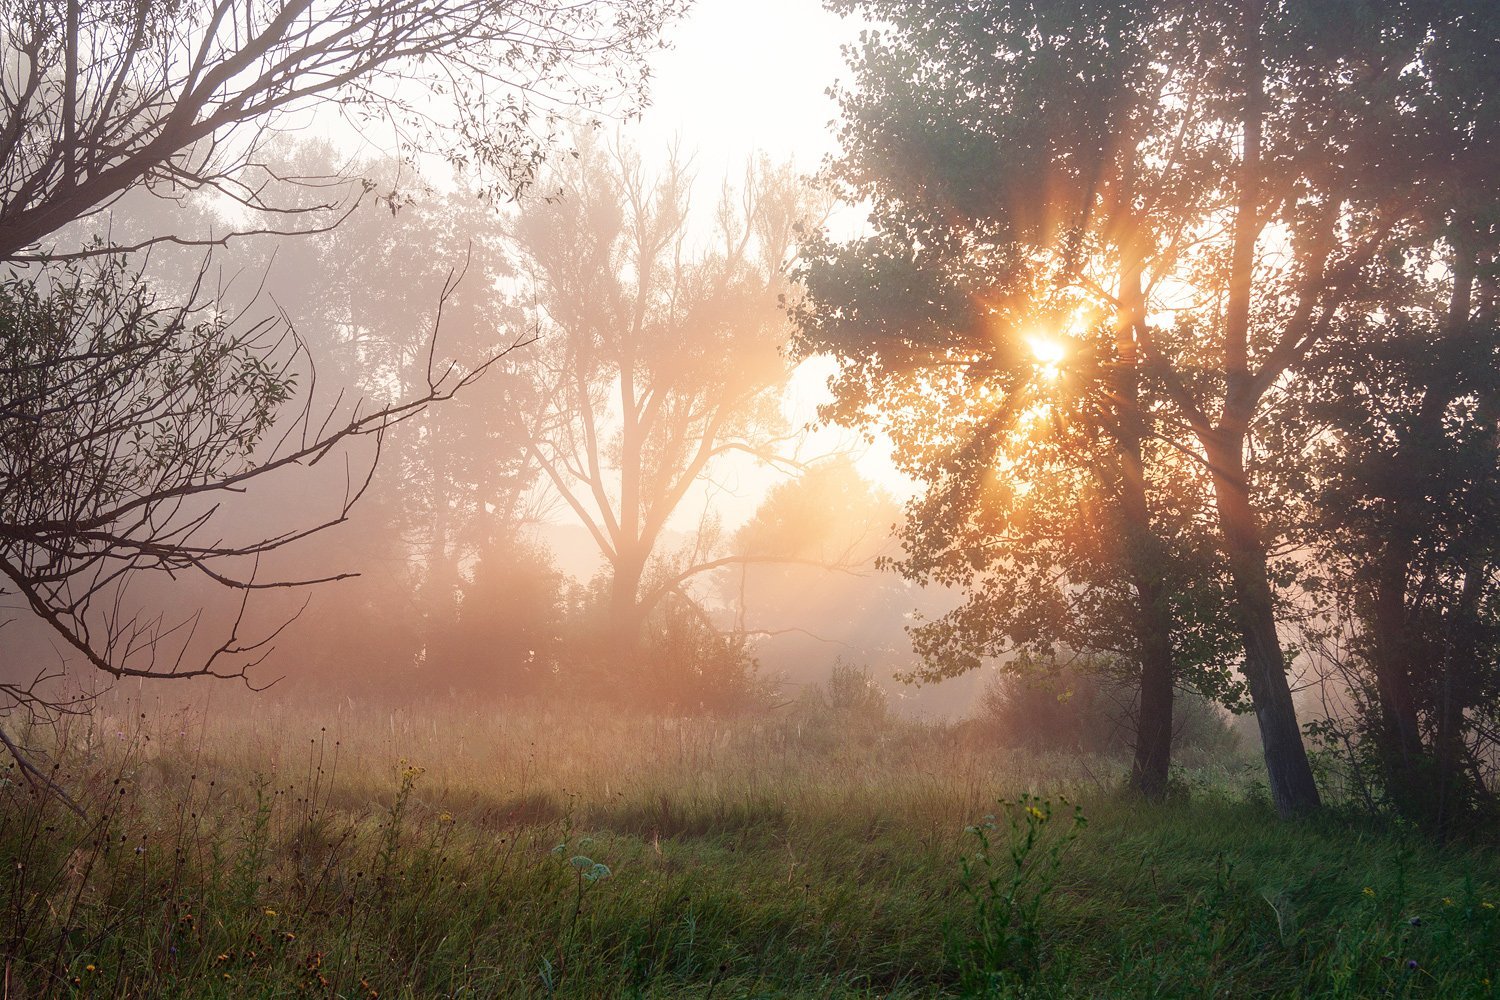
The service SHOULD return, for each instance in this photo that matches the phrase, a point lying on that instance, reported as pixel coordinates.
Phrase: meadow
(262, 849)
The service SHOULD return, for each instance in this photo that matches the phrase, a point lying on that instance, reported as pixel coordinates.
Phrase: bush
(1084, 709)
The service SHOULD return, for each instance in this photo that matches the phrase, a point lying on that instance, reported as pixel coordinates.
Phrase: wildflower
(1411, 964)
(1447, 900)
(223, 957)
(446, 817)
(1415, 921)
(1035, 813)
(270, 912)
(90, 968)
(1487, 905)
(289, 935)
(1368, 891)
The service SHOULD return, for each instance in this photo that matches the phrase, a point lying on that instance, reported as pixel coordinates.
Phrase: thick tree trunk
(1402, 755)
(1290, 775)
(1153, 738)
(624, 602)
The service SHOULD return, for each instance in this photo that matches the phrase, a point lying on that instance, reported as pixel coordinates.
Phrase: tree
(1398, 426)
(1213, 180)
(660, 358)
(1017, 398)
(102, 98)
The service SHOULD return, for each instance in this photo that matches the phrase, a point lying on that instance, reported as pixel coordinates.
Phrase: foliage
(1388, 450)
(1148, 188)
(1009, 875)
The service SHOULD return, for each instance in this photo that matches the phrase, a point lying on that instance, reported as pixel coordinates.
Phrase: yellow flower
(1035, 813)
(1487, 905)
(270, 913)
(1447, 900)
(446, 817)
(1368, 891)
(89, 968)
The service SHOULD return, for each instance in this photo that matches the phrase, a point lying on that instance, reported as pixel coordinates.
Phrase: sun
(1048, 354)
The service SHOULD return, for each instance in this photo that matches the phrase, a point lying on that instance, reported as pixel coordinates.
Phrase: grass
(269, 851)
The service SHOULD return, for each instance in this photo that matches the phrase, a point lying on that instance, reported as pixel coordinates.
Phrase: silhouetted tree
(1392, 443)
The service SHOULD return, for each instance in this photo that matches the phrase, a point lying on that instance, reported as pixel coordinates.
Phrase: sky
(743, 77)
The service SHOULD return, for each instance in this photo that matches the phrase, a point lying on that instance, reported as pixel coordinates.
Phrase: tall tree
(1398, 426)
(995, 161)
(662, 353)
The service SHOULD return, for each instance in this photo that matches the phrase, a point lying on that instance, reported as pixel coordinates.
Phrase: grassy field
(268, 851)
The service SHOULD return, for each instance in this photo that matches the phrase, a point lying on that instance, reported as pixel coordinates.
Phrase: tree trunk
(1144, 558)
(1146, 564)
(1292, 787)
(624, 602)
(1401, 751)
(1153, 737)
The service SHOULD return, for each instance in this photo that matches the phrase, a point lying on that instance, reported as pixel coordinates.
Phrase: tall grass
(270, 850)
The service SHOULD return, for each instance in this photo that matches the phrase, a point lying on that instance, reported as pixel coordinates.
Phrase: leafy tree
(1398, 430)
(1015, 395)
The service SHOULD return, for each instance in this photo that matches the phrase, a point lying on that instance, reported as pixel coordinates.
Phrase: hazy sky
(747, 76)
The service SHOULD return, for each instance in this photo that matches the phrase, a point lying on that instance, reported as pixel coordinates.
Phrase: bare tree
(665, 356)
(126, 426)
(97, 98)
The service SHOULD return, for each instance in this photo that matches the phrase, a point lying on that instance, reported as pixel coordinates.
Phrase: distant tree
(660, 356)
(1204, 185)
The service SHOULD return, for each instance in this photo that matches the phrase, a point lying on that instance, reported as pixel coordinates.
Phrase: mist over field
(650, 499)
